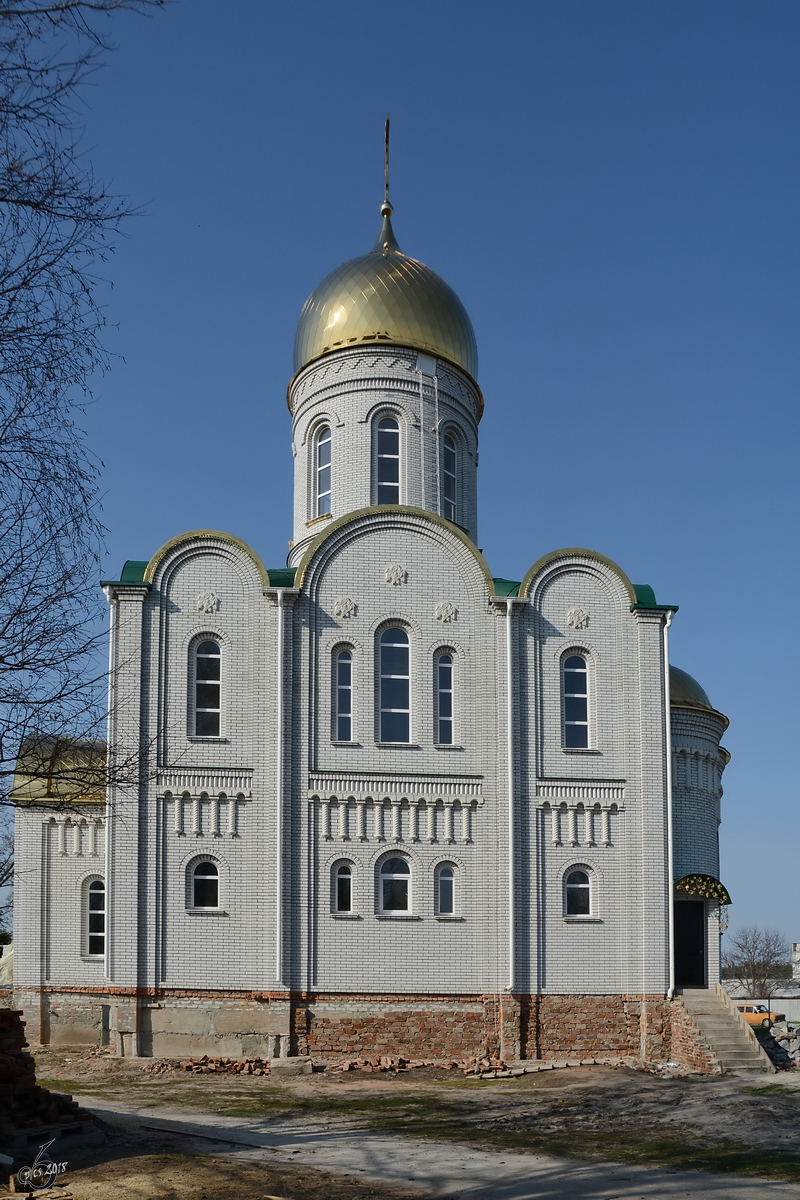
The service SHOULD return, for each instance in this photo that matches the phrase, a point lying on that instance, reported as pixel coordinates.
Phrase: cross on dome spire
(386, 203)
(386, 243)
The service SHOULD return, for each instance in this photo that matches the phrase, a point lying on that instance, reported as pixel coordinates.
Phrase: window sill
(337, 916)
(196, 737)
(334, 742)
(582, 920)
(208, 912)
(446, 746)
(580, 750)
(399, 745)
(448, 917)
(397, 917)
(319, 520)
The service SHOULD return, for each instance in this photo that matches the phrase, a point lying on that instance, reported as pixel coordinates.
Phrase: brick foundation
(686, 1046)
(340, 1025)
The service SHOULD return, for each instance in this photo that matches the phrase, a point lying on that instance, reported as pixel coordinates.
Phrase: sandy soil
(722, 1124)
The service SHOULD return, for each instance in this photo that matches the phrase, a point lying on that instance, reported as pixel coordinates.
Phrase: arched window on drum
(450, 478)
(322, 471)
(387, 461)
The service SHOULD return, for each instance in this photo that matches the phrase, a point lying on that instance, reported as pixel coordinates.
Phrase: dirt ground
(749, 1128)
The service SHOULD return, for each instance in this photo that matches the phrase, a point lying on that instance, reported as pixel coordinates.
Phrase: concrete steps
(725, 1032)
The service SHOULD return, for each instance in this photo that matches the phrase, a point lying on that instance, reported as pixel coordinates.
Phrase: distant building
(389, 802)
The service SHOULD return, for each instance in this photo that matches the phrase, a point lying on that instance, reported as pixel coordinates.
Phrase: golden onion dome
(686, 691)
(385, 297)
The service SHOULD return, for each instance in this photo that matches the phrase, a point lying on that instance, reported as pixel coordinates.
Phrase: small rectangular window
(344, 888)
(444, 699)
(395, 885)
(578, 894)
(205, 885)
(395, 712)
(207, 704)
(96, 905)
(576, 702)
(446, 891)
(344, 696)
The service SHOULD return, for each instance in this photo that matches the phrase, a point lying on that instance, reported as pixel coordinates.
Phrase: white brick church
(389, 801)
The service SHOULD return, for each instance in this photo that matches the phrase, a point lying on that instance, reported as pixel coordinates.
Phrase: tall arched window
(205, 885)
(343, 888)
(96, 917)
(576, 702)
(444, 699)
(322, 472)
(395, 886)
(577, 894)
(343, 696)
(207, 706)
(449, 477)
(388, 461)
(446, 890)
(395, 712)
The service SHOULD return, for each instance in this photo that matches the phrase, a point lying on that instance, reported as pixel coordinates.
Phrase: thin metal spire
(386, 164)
(386, 243)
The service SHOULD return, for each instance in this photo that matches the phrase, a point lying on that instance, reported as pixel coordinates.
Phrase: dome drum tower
(384, 403)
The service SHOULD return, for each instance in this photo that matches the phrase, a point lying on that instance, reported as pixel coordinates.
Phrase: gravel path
(441, 1168)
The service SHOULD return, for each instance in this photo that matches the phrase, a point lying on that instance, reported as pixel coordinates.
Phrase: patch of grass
(80, 1085)
(634, 1145)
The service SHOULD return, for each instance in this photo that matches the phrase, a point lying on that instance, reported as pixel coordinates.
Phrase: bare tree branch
(754, 958)
(6, 880)
(58, 225)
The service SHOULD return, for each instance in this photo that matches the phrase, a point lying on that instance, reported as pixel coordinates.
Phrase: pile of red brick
(212, 1066)
(389, 1062)
(23, 1104)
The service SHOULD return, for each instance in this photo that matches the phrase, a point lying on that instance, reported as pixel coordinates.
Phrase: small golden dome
(686, 691)
(381, 298)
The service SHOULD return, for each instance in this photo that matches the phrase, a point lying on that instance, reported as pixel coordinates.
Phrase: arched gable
(197, 541)
(545, 569)
(373, 518)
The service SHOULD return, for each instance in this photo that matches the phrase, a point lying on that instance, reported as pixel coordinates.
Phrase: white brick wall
(604, 808)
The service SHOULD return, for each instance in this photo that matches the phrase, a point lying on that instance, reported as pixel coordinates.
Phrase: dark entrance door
(690, 943)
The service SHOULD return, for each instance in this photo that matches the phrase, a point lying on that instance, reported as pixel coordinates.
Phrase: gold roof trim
(208, 535)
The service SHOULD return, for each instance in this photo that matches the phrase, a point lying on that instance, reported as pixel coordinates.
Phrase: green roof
(506, 587)
(281, 576)
(646, 598)
(132, 572)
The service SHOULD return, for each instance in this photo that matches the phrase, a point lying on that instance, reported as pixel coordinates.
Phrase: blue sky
(611, 188)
